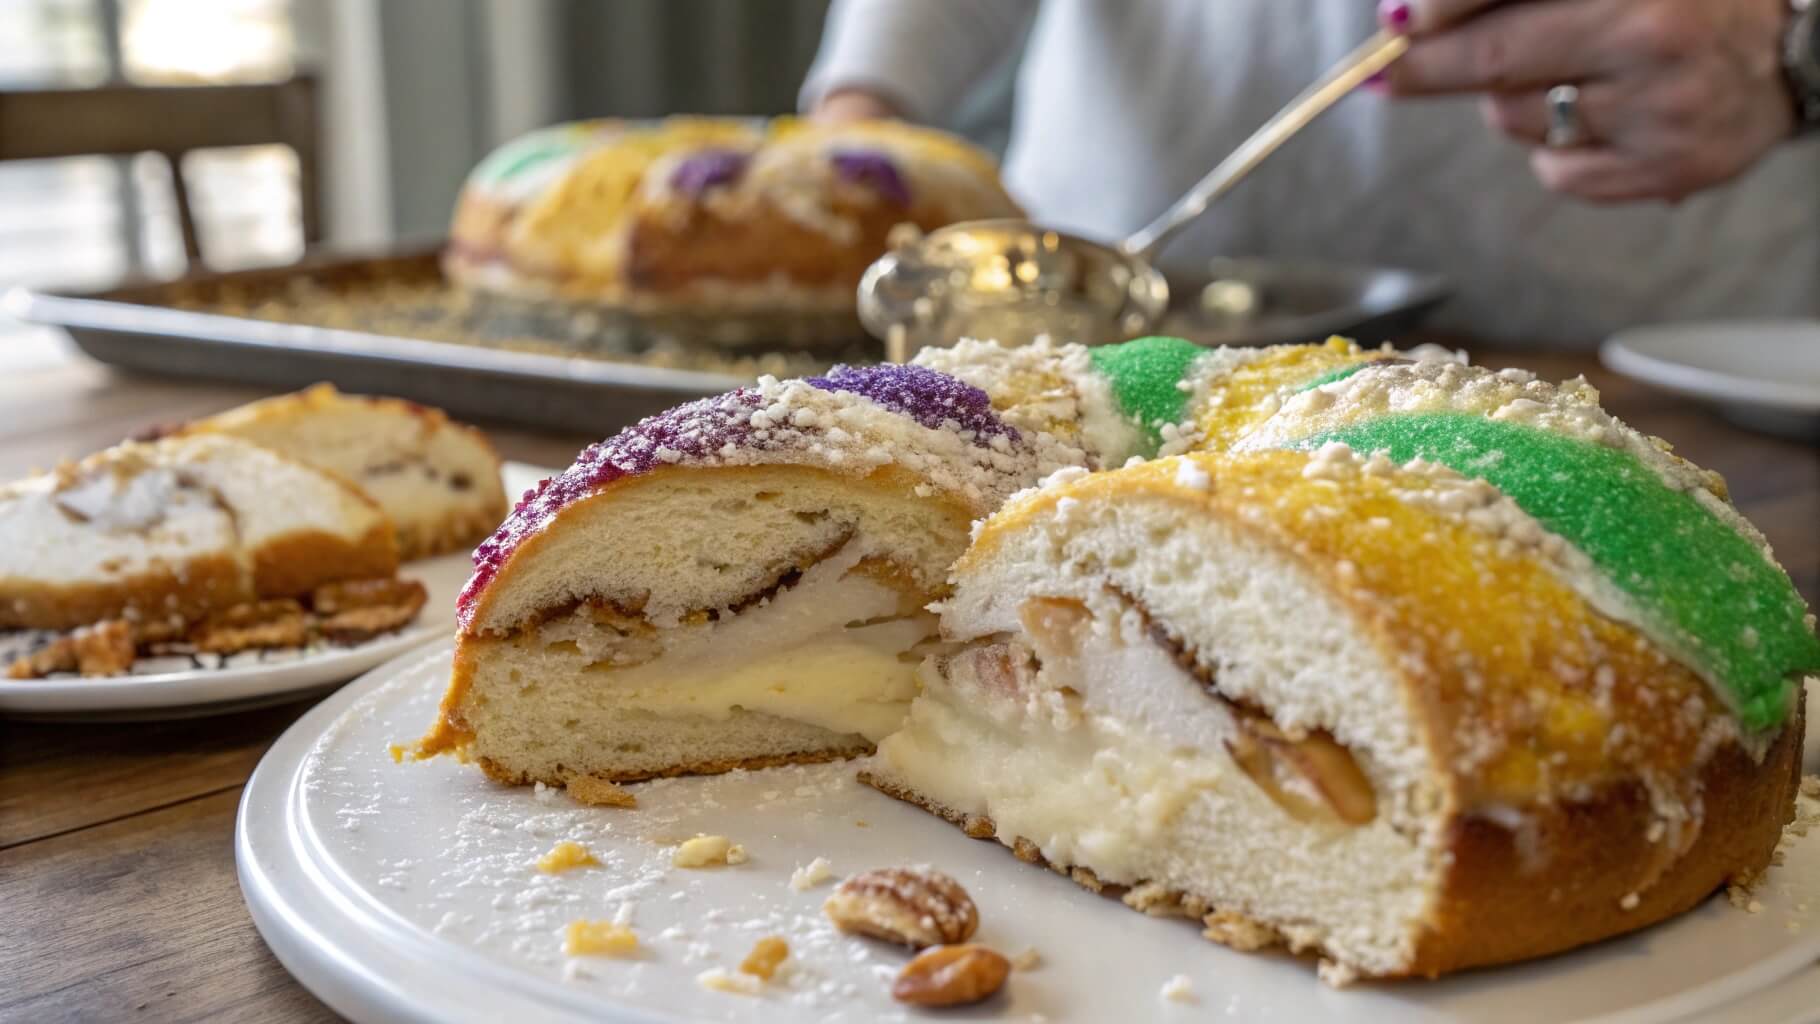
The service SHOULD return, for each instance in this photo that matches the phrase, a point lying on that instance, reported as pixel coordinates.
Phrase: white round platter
(407, 892)
(185, 686)
(1763, 372)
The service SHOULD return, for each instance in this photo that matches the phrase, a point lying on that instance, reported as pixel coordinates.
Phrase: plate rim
(1627, 352)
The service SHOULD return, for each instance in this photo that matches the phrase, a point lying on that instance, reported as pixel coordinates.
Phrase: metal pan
(597, 376)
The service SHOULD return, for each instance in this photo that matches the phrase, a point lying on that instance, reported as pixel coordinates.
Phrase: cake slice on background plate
(179, 528)
(437, 480)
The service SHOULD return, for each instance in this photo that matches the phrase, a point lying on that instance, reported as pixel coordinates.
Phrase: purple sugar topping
(935, 400)
(685, 433)
(874, 169)
(707, 169)
(703, 429)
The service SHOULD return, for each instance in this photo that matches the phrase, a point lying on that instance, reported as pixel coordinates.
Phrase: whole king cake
(715, 213)
(1412, 665)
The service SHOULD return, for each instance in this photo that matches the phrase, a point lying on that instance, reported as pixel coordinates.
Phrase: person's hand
(844, 105)
(1675, 95)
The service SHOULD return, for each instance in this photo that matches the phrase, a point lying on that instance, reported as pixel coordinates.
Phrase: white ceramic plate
(1767, 370)
(406, 892)
(181, 686)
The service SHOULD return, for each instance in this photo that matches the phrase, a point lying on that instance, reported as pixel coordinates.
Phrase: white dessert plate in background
(407, 892)
(1765, 373)
(208, 685)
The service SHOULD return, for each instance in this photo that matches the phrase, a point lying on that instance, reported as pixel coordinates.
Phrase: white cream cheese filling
(831, 651)
(1118, 761)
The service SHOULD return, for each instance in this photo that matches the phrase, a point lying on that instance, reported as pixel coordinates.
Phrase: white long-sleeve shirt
(1123, 104)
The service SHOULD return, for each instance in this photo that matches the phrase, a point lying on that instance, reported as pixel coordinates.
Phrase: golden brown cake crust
(301, 561)
(1494, 907)
(674, 255)
(206, 584)
(459, 530)
(719, 766)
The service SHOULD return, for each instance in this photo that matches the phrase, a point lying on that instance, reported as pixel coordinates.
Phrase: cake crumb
(809, 875)
(1028, 960)
(736, 854)
(767, 955)
(706, 851)
(600, 793)
(1337, 975)
(1738, 895)
(598, 938)
(1179, 989)
(719, 979)
(397, 752)
(565, 855)
(1629, 902)
(1754, 907)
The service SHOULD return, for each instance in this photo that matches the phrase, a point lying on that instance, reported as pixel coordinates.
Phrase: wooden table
(118, 896)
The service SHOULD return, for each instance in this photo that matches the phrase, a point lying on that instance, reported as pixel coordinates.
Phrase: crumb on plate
(809, 875)
(565, 855)
(719, 979)
(598, 938)
(705, 851)
(767, 955)
(600, 793)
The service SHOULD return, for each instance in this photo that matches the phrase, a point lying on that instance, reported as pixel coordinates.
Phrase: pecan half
(950, 976)
(913, 907)
(1312, 779)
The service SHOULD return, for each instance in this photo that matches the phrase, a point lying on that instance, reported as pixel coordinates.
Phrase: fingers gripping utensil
(1013, 280)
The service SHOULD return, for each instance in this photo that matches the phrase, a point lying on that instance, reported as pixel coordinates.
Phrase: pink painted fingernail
(1395, 15)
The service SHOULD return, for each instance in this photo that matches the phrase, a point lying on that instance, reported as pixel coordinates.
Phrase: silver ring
(1565, 128)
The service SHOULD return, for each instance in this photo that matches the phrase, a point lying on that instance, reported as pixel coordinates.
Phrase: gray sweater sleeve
(922, 55)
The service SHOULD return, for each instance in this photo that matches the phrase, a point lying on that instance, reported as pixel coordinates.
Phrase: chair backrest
(119, 120)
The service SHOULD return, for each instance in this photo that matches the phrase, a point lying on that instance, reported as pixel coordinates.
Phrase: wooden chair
(121, 120)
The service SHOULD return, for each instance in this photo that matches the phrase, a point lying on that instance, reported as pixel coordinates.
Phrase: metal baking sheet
(177, 328)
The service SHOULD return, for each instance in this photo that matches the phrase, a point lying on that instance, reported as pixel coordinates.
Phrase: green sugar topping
(522, 154)
(1339, 373)
(1144, 374)
(1705, 593)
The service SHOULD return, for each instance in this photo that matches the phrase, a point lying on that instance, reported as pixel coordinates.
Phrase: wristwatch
(1801, 64)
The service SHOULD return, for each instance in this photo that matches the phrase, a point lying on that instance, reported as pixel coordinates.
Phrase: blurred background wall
(410, 93)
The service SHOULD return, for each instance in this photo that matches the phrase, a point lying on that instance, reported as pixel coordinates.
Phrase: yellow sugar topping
(1252, 392)
(598, 938)
(1524, 687)
(1027, 390)
(565, 855)
(582, 222)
